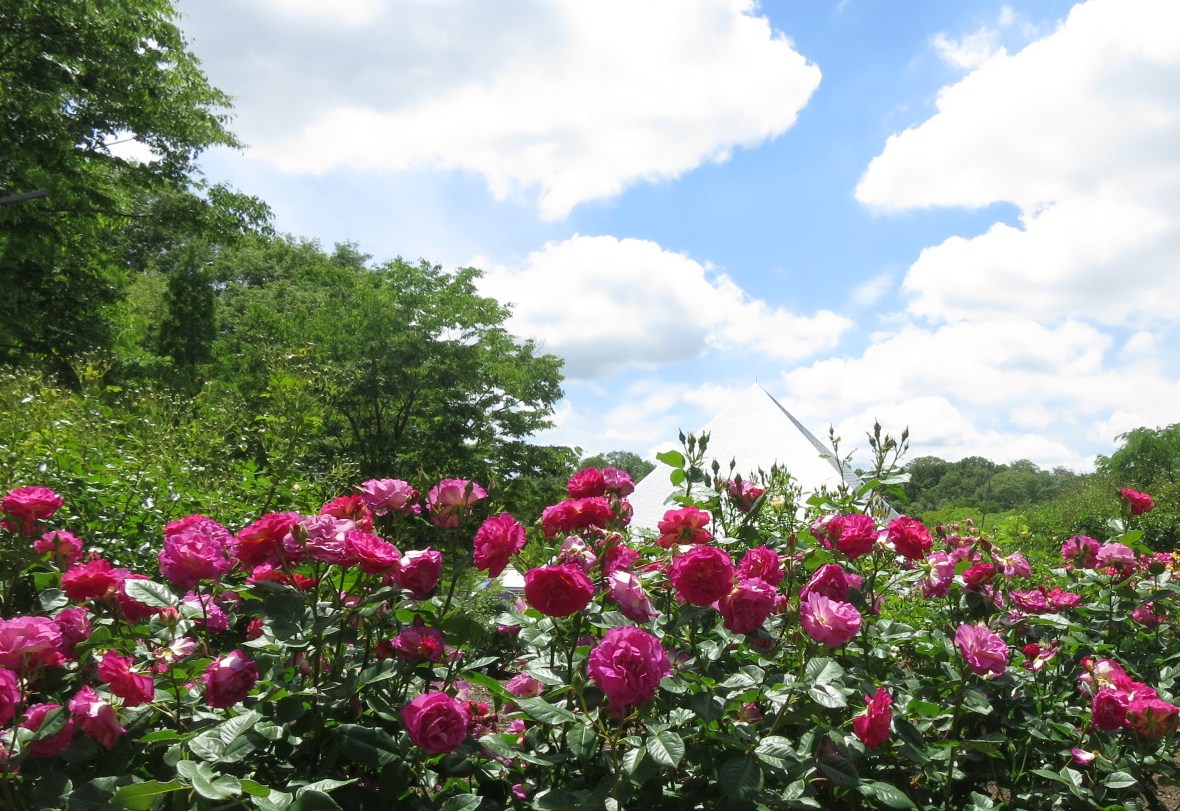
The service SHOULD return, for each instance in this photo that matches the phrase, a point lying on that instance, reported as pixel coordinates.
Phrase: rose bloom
(352, 508)
(628, 665)
(75, 627)
(748, 605)
(587, 483)
(451, 499)
(419, 572)
(831, 622)
(375, 555)
(10, 696)
(1146, 615)
(1015, 565)
(985, 652)
(1031, 601)
(436, 722)
(743, 494)
(873, 726)
(1081, 550)
(684, 526)
(1116, 556)
(261, 541)
(575, 552)
(25, 506)
(618, 558)
(228, 680)
(558, 591)
(319, 537)
(386, 496)
(195, 549)
(939, 574)
(576, 513)
(763, 563)
(133, 688)
(522, 685)
(133, 610)
(54, 744)
(627, 592)
(420, 643)
(979, 574)
(831, 581)
(64, 547)
(96, 717)
(28, 643)
(1152, 718)
(496, 541)
(618, 482)
(702, 575)
(909, 537)
(1109, 709)
(1140, 502)
(92, 580)
(854, 535)
(1060, 598)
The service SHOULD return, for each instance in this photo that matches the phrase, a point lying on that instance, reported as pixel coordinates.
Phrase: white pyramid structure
(755, 431)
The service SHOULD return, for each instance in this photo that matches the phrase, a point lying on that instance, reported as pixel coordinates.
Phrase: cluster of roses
(1119, 702)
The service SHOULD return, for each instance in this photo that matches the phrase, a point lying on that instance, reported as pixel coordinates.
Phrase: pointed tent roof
(755, 431)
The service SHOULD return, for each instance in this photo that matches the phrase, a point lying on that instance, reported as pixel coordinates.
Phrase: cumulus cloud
(576, 100)
(1081, 132)
(605, 304)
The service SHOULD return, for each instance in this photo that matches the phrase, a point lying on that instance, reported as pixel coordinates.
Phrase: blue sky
(957, 217)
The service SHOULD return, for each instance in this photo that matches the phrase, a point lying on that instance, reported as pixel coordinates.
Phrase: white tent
(755, 431)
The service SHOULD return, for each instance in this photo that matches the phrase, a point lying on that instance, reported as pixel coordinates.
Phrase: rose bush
(829, 656)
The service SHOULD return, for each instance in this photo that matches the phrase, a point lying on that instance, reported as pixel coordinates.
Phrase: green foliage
(1148, 457)
(633, 463)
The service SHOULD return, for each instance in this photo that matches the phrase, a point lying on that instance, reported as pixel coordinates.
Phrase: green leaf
(1119, 780)
(461, 802)
(666, 748)
(827, 696)
(233, 727)
(141, 796)
(740, 778)
(926, 709)
(313, 800)
(368, 745)
(822, 670)
(776, 746)
(671, 458)
(582, 741)
(274, 801)
(541, 710)
(887, 794)
(207, 782)
(839, 770)
(149, 592)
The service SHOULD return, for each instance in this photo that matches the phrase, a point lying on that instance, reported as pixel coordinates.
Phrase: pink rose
(1059, 599)
(228, 680)
(1116, 556)
(873, 726)
(1015, 565)
(909, 537)
(1152, 718)
(558, 591)
(763, 563)
(24, 507)
(205, 612)
(1031, 601)
(628, 665)
(576, 513)
(1109, 709)
(95, 717)
(522, 685)
(1139, 502)
(830, 580)
(1146, 615)
(134, 688)
(319, 537)
(74, 624)
(92, 580)
(627, 592)
(420, 572)
(619, 558)
(979, 574)
(350, 508)
(261, 541)
(10, 695)
(63, 547)
(54, 744)
(29, 643)
(195, 549)
(830, 622)
(375, 555)
(747, 605)
(420, 643)
(985, 652)
(496, 541)
(575, 552)
(684, 526)
(437, 723)
(939, 573)
(451, 499)
(1081, 550)
(386, 496)
(587, 483)
(854, 535)
(618, 482)
(702, 575)
(743, 493)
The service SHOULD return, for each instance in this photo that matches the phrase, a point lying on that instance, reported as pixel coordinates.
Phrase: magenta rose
(1139, 502)
(375, 555)
(53, 745)
(628, 665)
(1109, 709)
(29, 643)
(558, 591)
(985, 652)
(134, 688)
(228, 680)
(831, 581)
(10, 695)
(743, 494)
(979, 574)
(63, 547)
(451, 499)
(261, 541)
(587, 483)
(522, 685)
(437, 723)
(854, 535)
(872, 727)
(386, 496)
(747, 605)
(627, 592)
(75, 627)
(420, 643)
(830, 622)
(702, 575)
(576, 513)
(24, 507)
(419, 572)
(496, 541)
(1152, 718)
(95, 717)
(1081, 550)
(195, 549)
(619, 558)
(618, 482)
(684, 526)
(909, 537)
(938, 574)
(92, 580)
(319, 537)
(351, 508)
(763, 563)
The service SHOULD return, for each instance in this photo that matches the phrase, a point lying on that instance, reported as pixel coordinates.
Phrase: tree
(78, 76)
(633, 463)
(1148, 456)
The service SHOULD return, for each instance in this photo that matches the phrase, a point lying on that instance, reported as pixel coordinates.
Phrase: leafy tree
(633, 463)
(78, 76)
(1147, 456)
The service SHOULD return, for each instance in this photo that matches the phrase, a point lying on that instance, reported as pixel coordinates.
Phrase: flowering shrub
(760, 656)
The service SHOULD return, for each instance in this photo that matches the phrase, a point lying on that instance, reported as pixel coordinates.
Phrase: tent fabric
(755, 431)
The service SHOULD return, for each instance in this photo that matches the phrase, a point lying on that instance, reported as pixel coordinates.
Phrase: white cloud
(605, 304)
(969, 52)
(577, 100)
(1080, 131)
